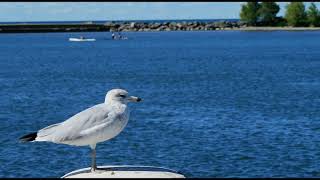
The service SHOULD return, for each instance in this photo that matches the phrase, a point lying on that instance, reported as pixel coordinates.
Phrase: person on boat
(113, 36)
(119, 35)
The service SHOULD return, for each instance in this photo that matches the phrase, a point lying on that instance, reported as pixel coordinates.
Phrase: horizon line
(124, 20)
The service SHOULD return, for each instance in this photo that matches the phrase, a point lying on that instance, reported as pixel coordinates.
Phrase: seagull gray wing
(79, 125)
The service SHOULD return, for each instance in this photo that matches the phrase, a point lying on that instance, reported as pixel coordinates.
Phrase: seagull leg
(93, 158)
(93, 163)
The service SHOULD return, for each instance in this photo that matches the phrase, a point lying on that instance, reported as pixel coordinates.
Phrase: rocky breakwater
(174, 26)
(123, 26)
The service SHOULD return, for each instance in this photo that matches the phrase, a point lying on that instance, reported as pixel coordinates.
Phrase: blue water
(215, 104)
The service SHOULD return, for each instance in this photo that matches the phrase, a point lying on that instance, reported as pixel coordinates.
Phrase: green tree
(249, 13)
(268, 12)
(313, 15)
(295, 14)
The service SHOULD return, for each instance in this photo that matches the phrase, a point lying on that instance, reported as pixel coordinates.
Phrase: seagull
(96, 124)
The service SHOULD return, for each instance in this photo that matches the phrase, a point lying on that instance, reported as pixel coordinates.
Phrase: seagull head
(120, 95)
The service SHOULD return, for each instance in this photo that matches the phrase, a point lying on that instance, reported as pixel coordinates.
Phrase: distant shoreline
(143, 27)
(279, 29)
(116, 21)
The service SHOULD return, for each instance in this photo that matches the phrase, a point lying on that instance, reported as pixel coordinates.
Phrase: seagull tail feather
(28, 137)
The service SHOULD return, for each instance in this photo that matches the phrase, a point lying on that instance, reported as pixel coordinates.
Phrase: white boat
(81, 39)
(125, 172)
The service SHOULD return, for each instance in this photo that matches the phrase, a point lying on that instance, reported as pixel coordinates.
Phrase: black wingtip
(28, 137)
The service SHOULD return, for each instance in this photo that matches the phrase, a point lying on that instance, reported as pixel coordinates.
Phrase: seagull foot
(101, 170)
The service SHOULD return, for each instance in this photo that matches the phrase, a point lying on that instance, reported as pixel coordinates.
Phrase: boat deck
(125, 172)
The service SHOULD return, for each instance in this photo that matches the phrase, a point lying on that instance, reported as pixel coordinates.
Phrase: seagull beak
(134, 99)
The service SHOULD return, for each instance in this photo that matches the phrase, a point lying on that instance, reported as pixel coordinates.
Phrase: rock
(155, 25)
(163, 28)
(166, 23)
(219, 24)
(242, 24)
(142, 25)
(210, 26)
(172, 24)
(133, 24)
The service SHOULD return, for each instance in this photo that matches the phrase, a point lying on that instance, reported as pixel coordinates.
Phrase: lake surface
(215, 104)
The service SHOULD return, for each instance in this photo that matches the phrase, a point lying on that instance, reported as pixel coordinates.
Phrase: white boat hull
(80, 40)
(125, 172)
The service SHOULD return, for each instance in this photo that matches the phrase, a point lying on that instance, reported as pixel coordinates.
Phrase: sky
(90, 11)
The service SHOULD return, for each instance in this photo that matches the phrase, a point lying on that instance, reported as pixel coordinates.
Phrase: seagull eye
(123, 96)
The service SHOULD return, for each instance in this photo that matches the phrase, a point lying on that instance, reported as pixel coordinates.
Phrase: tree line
(265, 14)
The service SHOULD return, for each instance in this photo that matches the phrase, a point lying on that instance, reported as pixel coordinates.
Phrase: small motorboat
(81, 39)
(120, 38)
